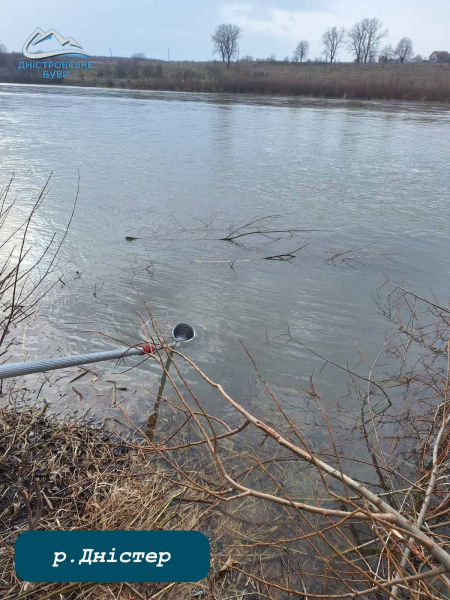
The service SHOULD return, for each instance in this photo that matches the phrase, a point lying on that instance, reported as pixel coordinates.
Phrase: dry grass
(361, 512)
(409, 81)
(358, 509)
(420, 82)
(88, 480)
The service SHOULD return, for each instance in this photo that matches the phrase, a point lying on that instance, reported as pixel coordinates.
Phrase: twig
(34, 521)
(230, 238)
(286, 256)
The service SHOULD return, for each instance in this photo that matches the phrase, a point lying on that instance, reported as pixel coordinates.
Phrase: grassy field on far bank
(409, 81)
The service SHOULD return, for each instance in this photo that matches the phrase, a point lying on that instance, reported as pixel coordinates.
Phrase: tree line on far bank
(363, 41)
(416, 82)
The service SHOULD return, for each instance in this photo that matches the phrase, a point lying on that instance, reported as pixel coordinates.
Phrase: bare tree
(225, 40)
(364, 39)
(404, 50)
(372, 56)
(148, 71)
(135, 58)
(375, 33)
(301, 52)
(332, 40)
(3, 51)
(418, 58)
(356, 40)
(387, 54)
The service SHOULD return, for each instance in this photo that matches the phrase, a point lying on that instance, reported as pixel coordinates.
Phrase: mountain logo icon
(67, 46)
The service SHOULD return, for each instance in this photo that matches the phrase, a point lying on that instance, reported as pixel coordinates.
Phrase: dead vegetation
(384, 81)
(27, 275)
(74, 476)
(357, 509)
(419, 82)
(256, 227)
(361, 511)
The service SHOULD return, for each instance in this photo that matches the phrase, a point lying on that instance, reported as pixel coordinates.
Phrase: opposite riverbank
(392, 81)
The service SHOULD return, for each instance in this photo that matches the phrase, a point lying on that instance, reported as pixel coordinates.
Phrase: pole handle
(52, 364)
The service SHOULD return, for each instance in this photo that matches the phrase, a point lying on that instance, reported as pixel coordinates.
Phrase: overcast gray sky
(269, 26)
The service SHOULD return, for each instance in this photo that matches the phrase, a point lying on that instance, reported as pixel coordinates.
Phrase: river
(178, 171)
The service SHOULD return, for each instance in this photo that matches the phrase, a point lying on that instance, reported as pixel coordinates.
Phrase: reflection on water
(178, 170)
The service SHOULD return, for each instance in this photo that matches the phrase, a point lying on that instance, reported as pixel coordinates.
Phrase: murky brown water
(175, 170)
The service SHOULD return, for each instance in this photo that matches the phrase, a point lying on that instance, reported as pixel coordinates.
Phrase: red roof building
(439, 56)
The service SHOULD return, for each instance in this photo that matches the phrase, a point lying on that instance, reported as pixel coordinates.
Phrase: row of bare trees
(363, 41)
(403, 52)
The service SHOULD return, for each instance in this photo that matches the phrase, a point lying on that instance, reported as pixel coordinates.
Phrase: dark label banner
(112, 556)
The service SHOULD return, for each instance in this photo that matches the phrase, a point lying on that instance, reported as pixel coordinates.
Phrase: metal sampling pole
(183, 332)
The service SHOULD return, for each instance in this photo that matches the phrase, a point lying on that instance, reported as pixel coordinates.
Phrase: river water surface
(176, 171)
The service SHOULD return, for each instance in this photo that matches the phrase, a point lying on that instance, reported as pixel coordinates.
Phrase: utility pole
(168, 54)
(110, 51)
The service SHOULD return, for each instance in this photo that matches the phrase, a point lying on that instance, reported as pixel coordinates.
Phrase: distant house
(437, 56)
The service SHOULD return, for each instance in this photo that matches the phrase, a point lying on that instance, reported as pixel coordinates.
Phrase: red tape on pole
(148, 348)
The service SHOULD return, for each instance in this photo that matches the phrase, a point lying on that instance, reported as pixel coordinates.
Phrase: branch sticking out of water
(242, 230)
(286, 256)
